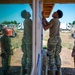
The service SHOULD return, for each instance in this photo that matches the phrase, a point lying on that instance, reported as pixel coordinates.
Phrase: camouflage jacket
(6, 44)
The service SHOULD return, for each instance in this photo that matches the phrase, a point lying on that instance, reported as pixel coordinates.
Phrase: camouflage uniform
(54, 44)
(54, 48)
(6, 58)
(27, 47)
(54, 41)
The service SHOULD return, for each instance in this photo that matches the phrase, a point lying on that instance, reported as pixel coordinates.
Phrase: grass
(16, 42)
(67, 41)
(67, 45)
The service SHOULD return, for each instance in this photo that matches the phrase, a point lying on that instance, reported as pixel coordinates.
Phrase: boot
(51, 72)
(58, 71)
(4, 72)
(24, 71)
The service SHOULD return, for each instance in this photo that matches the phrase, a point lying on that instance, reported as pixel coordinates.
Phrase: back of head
(5, 31)
(25, 14)
(60, 13)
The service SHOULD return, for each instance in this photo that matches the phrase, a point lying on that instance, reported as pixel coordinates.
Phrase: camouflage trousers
(27, 57)
(5, 65)
(54, 49)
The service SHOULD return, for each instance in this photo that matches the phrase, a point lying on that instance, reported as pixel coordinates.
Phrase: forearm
(44, 21)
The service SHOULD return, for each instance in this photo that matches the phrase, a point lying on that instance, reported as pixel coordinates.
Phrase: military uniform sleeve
(30, 23)
(51, 23)
(1, 41)
(9, 43)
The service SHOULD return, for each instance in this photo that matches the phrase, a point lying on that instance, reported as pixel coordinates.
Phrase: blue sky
(12, 12)
(68, 12)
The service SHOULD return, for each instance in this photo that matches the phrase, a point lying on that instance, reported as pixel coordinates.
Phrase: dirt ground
(67, 61)
(66, 58)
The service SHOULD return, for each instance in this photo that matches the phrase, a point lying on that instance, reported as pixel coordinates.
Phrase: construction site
(40, 66)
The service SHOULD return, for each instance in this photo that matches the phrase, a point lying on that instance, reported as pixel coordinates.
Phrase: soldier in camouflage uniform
(27, 44)
(54, 41)
(6, 52)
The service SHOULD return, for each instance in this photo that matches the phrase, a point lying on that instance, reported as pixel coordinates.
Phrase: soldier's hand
(42, 14)
(13, 48)
(73, 53)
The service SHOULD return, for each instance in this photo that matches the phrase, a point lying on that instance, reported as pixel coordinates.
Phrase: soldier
(6, 51)
(73, 50)
(27, 44)
(54, 41)
(73, 53)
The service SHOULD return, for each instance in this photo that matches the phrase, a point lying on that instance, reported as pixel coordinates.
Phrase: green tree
(70, 23)
(10, 22)
(5, 22)
(15, 22)
(73, 22)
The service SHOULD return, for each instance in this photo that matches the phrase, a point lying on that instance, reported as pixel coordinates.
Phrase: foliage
(70, 23)
(10, 22)
(67, 45)
(73, 23)
(44, 47)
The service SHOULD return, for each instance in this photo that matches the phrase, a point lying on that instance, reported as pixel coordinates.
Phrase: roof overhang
(30, 1)
(47, 4)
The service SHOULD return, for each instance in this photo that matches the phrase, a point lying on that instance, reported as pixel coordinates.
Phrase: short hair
(25, 14)
(5, 31)
(60, 13)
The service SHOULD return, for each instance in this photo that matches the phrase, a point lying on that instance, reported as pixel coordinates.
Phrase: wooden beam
(30, 1)
(48, 4)
(50, 1)
(58, 1)
(15, 1)
(46, 15)
(66, 1)
(47, 8)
